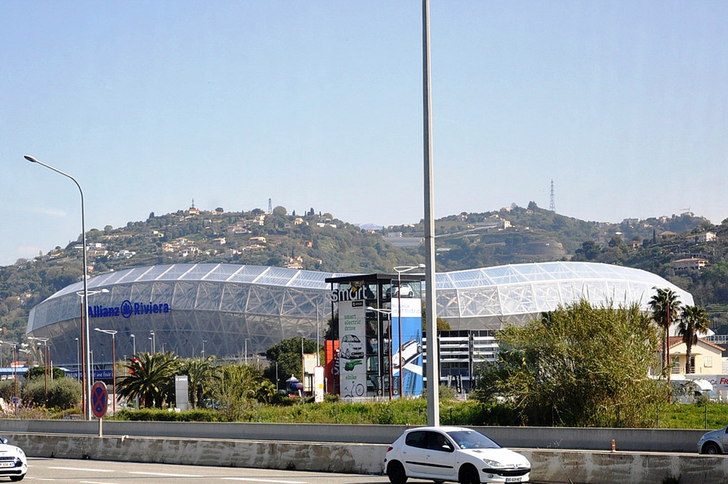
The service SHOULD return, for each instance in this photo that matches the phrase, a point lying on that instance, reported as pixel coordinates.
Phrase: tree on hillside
(665, 306)
(579, 365)
(693, 321)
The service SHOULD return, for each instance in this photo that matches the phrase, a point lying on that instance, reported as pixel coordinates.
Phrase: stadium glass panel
(234, 298)
(141, 292)
(162, 291)
(174, 272)
(505, 275)
(448, 303)
(546, 296)
(517, 299)
(209, 295)
(185, 294)
(247, 274)
(479, 302)
(222, 272)
(156, 272)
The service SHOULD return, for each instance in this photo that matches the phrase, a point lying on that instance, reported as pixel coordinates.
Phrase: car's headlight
(492, 463)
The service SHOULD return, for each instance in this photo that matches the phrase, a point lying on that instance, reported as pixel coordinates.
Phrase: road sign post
(99, 403)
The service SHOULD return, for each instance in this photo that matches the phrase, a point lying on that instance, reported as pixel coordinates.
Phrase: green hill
(318, 241)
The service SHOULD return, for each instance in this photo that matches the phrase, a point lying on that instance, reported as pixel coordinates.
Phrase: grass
(693, 416)
(414, 412)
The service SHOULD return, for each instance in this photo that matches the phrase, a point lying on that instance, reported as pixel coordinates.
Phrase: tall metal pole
(113, 370)
(433, 364)
(400, 385)
(78, 358)
(84, 315)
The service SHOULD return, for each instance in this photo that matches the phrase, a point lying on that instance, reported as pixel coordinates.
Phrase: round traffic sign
(99, 399)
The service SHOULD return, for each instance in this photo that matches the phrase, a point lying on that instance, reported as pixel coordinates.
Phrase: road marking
(86, 469)
(164, 474)
(92, 482)
(257, 479)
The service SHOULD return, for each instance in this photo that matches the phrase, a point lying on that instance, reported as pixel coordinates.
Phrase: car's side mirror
(3, 440)
(447, 447)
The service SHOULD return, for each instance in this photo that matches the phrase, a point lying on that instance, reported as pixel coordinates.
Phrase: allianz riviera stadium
(233, 311)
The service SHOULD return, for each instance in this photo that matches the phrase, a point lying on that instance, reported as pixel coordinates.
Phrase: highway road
(69, 471)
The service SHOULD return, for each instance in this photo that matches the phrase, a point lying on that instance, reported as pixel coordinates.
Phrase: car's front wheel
(396, 473)
(468, 475)
(711, 448)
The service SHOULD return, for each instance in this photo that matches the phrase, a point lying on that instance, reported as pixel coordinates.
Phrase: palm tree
(151, 378)
(693, 321)
(664, 305)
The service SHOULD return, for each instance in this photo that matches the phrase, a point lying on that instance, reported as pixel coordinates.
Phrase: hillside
(318, 241)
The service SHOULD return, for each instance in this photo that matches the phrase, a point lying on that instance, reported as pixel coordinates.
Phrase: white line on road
(85, 469)
(257, 479)
(164, 474)
(92, 482)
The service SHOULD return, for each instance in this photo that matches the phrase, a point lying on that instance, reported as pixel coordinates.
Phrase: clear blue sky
(318, 104)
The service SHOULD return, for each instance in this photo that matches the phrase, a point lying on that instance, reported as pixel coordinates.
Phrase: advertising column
(407, 348)
(352, 335)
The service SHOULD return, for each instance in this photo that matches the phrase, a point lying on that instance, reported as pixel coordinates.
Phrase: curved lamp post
(84, 315)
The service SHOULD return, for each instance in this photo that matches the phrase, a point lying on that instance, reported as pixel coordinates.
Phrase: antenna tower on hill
(552, 204)
(270, 205)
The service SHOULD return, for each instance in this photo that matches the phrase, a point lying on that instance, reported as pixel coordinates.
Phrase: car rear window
(417, 439)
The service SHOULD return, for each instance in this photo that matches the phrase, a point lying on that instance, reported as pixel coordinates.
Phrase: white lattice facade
(233, 310)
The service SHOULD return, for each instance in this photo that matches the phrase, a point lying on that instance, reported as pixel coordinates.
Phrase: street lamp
(112, 332)
(84, 315)
(400, 270)
(433, 362)
(203, 347)
(153, 339)
(133, 345)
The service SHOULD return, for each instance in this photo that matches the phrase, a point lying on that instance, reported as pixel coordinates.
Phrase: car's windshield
(470, 439)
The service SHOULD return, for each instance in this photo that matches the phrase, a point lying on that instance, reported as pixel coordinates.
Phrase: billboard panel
(407, 349)
(352, 349)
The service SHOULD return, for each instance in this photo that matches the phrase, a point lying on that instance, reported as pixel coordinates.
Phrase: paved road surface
(68, 471)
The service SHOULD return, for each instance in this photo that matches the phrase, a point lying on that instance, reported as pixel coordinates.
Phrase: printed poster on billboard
(352, 349)
(407, 358)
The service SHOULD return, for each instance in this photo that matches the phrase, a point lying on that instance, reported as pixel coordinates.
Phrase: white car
(13, 463)
(351, 347)
(452, 454)
(410, 351)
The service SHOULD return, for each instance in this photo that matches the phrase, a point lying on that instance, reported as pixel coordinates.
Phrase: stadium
(238, 311)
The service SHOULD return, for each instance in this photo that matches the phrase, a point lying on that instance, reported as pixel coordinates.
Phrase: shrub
(62, 393)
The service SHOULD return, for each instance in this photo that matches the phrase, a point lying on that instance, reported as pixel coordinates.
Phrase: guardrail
(649, 440)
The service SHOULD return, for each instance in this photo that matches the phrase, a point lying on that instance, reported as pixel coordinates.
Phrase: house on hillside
(705, 238)
(689, 264)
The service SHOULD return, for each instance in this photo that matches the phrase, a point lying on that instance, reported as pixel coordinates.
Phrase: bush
(7, 390)
(63, 393)
(161, 415)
